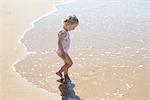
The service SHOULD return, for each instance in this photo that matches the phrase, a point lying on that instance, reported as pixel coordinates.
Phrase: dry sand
(15, 17)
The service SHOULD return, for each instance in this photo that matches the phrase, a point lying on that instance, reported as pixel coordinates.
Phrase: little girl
(69, 24)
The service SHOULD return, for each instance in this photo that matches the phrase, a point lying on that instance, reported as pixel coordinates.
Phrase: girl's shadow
(67, 91)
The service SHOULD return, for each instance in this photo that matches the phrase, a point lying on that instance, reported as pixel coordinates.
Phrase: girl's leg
(59, 73)
(65, 67)
(68, 62)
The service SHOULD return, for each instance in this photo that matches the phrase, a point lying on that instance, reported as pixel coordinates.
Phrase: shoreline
(106, 58)
(16, 86)
(54, 9)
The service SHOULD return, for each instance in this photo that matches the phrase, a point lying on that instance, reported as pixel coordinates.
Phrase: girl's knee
(68, 60)
(69, 63)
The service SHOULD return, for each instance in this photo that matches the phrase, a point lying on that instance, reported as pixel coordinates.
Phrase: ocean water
(110, 49)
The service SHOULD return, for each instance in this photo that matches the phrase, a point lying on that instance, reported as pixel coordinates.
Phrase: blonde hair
(72, 19)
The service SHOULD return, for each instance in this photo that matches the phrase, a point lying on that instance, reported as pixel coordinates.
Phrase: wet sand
(15, 17)
(110, 51)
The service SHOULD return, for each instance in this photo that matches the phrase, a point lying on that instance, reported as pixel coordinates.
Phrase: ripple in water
(110, 50)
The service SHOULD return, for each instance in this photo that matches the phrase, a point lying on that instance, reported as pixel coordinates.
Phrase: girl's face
(71, 27)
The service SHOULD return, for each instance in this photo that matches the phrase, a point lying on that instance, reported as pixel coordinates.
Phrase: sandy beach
(15, 17)
(110, 50)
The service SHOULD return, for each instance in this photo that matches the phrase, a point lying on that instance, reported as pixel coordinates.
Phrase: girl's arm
(61, 37)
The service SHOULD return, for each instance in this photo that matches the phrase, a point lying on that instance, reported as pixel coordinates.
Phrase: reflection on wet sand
(40, 70)
(67, 91)
(106, 81)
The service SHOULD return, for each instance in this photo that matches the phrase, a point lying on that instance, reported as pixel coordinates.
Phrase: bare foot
(59, 74)
(60, 80)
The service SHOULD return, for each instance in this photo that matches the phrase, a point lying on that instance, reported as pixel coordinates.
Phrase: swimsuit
(65, 42)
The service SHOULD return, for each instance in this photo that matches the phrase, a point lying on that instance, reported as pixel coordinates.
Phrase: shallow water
(110, 50)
